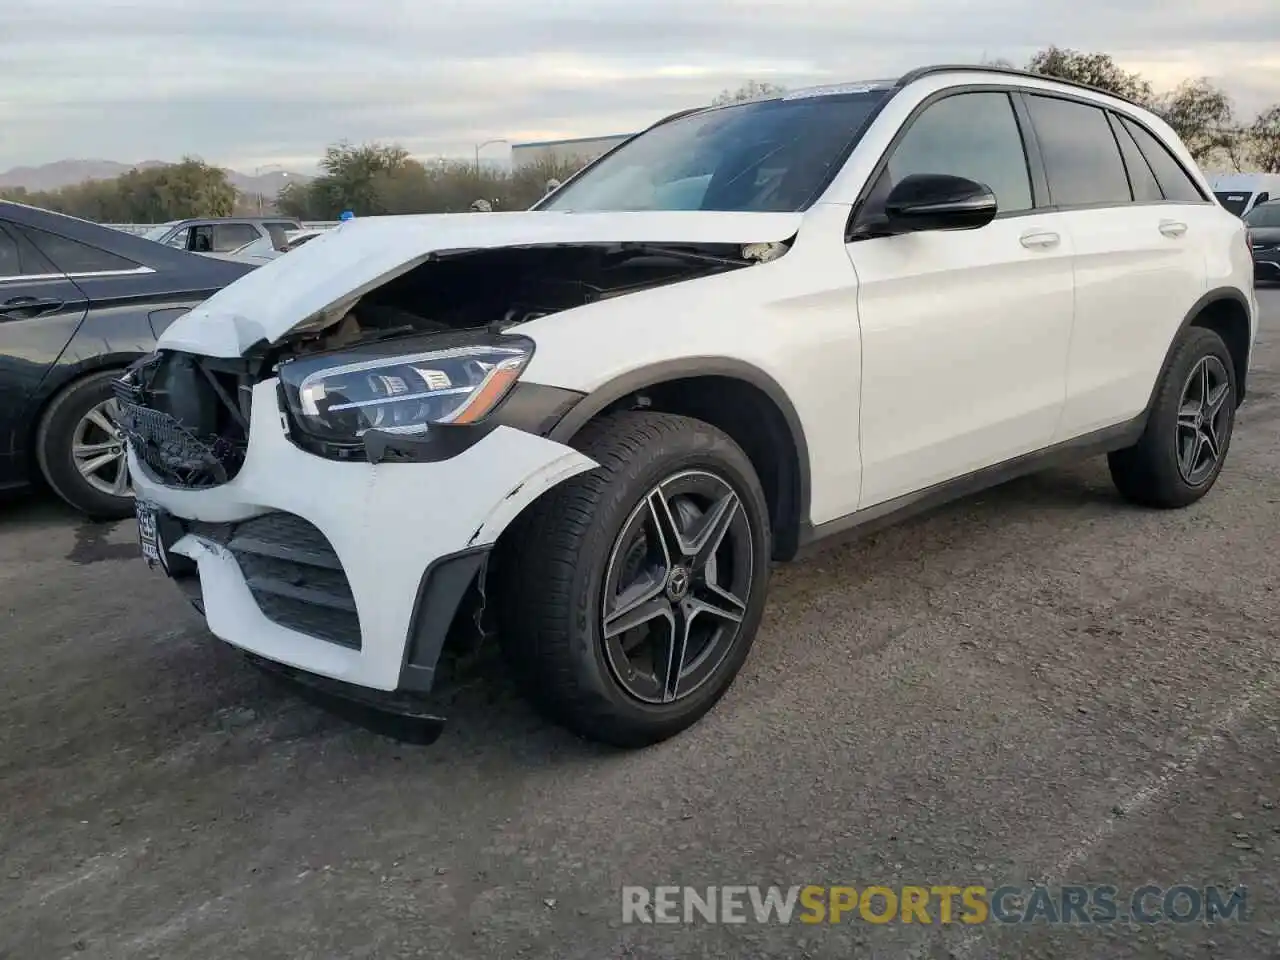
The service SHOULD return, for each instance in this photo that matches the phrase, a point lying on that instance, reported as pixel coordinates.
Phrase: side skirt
(863, 522)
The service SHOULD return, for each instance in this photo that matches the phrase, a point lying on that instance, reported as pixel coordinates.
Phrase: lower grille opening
(294, 575)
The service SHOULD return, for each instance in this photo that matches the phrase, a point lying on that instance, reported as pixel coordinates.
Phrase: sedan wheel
(98, 448)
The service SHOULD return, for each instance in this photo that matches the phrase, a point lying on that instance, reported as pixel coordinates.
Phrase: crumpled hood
(317, 283)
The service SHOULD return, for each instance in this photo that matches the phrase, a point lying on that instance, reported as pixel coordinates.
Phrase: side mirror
(935, 201)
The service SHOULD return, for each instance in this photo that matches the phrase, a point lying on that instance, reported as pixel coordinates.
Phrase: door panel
(964, 333)
(40, 310)
(964, 342)
(1139, 265)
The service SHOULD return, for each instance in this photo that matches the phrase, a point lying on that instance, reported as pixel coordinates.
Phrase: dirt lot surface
(1038, 683)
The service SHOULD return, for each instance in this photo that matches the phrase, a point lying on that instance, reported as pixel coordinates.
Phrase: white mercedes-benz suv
(589, 428)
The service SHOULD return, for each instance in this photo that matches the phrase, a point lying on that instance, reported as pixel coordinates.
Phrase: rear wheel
(634, 591)
(1188, 433)
(81, 450)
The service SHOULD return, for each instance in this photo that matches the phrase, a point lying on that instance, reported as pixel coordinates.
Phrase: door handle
(24, 308)
(1173, 228)
(1040, 239)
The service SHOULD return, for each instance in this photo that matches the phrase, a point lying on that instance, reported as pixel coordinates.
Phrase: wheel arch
(735, 396)
(1225, 311)
(60, 380)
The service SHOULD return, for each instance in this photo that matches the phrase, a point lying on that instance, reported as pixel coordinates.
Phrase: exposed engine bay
(187, 416)
(504, 287)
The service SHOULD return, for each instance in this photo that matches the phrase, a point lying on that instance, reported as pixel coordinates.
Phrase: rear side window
(9, 265)
(71, 256)
(1143, 181)
(1081, 157)
(1174, 181)
(971, 135)
(232, 236)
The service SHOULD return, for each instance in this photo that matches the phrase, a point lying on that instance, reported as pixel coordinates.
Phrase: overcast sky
(246, 83)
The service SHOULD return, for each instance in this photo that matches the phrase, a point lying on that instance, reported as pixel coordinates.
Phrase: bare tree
(1095, 69)
(1264, 140)
(1201, 114)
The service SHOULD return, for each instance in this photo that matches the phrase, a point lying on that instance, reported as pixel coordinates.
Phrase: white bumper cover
(386, 522)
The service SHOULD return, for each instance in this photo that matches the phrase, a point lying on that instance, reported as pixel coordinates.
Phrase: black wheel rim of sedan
(676, 588)
(1204, 417)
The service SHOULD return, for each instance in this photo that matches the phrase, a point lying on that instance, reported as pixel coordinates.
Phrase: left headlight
(402, 386)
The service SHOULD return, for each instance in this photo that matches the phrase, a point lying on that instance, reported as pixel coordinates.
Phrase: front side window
(1174, 181)
(767, 155)
(1081, 156)
(970, 135)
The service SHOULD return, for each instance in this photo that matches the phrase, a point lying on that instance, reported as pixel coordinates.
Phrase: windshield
(764, 156)
(157, 233)
(1264, 215)
(1236, 201)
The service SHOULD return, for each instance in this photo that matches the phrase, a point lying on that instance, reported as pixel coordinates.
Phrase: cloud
(247, 83)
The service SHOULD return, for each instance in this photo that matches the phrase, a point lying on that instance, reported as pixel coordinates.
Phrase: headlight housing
(403, 386)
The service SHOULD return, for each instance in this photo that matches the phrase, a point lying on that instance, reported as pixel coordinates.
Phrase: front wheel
(81, 449)
(634, 591)
(1179, 456)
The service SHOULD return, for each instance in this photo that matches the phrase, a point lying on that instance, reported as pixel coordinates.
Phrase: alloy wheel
(677, 586)
(99, 452)
(1204, 417)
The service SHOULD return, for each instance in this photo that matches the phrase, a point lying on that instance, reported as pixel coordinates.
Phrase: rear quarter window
(1174, 180)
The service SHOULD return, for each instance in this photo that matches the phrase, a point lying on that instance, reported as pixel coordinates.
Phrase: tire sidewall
(701, 449)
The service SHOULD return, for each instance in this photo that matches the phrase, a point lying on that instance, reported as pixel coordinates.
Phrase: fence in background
(137, 228)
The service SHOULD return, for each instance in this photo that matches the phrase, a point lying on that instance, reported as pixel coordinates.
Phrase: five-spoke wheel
(633, 591)
(1181, 451)
(676, 587)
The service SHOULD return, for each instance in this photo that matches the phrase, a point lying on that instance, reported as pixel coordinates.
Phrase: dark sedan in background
(78, 303)
(1263, 222)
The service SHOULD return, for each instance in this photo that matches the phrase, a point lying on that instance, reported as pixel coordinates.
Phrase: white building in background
(580, 150)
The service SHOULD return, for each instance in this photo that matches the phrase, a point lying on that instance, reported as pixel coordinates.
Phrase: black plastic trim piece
(687, 368)
(443, 585)
(891, 511)
(1210, 298)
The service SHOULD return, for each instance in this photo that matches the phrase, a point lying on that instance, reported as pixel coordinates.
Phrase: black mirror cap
(937, 201)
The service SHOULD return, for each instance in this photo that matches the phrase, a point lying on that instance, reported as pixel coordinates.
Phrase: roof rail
(921, 72)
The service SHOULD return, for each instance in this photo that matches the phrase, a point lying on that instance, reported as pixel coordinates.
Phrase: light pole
(481, 146)
(257, 171)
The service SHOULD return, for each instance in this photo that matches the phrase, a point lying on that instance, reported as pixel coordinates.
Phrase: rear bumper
(351, 571)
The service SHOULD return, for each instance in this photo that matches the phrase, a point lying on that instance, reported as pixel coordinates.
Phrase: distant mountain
(65, 173)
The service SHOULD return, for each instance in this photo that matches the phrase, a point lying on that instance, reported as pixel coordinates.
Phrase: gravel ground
(1037, 683)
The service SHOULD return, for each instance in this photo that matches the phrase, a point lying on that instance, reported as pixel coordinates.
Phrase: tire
(54, 440)
(1149, 472)
(563, 553)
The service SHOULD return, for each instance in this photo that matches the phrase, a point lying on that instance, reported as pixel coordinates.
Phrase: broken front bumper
(348, 570)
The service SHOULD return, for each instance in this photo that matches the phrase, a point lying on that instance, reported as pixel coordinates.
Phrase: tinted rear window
(71, 256)
(1081, 157)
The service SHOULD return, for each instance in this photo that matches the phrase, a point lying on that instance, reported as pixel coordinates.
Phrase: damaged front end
(371, 585)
